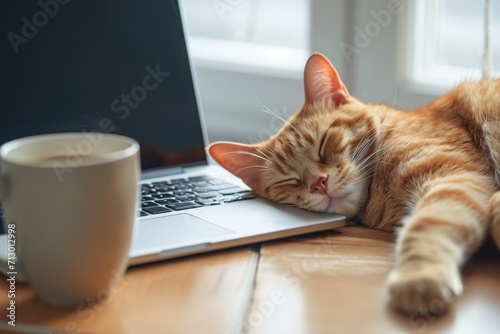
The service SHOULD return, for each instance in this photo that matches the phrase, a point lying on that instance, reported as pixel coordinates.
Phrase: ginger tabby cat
(431, 174)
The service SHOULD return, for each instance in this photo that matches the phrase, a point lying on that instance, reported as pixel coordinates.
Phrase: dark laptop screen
(117, 66)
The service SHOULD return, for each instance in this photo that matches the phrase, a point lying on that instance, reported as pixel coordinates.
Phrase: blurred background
(250, 54)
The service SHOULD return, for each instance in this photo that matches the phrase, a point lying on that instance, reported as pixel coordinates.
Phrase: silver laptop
(122, 66)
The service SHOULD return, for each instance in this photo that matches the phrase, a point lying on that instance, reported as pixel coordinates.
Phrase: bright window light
(448, 39)
(249, 35)
(460, 33)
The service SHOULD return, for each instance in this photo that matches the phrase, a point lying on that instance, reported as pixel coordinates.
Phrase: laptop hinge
(159, 173)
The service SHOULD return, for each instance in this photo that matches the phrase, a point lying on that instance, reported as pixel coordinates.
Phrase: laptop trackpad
(173, 231)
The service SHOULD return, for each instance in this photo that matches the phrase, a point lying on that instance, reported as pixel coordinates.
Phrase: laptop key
(170, 193)
(165, 189)
(182, 187)
(162, 196)
(200, 184)
(200, 178)
(148, 204)
(160, 184)
(156, 210)
(142, 213)
(183, 206)
(209, 194)
(186, 198)
(147, 192)
(147, 198)
(205, 189)
(178, 181)
(182, 193)
(166, 201)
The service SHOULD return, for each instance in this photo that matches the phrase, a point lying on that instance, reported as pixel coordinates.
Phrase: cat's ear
(239, 159)
(321, 81)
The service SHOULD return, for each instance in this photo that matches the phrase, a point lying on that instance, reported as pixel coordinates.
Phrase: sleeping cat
(432, 174)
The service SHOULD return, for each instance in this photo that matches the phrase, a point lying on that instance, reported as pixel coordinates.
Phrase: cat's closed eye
(322, 148)
(287, 182)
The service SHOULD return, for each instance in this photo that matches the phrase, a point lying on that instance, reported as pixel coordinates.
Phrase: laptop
(122, 66)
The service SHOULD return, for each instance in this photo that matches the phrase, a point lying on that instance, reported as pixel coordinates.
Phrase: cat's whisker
(370, 159)
(365, 168)
(395, 96)
(361, 149)
(257, 168)
(360, 181)
(359, 157)
(375, 158)
(364, 172)
(365, 145)
(369, 163)
(266, 159)
(396, 142)
(263, 154)
(272, 113)
(368, 169)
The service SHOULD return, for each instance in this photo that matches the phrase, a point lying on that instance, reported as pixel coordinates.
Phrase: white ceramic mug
(70, 200)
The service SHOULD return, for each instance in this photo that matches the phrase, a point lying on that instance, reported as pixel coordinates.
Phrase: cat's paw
(425, 289)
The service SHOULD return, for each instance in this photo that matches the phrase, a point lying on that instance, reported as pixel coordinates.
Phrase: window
(249, 55)
(447, 41)
(244, 35)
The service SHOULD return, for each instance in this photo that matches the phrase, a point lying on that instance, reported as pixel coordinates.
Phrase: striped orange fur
(431, 174)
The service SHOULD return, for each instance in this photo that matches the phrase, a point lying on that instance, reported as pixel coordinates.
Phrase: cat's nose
(319, 185)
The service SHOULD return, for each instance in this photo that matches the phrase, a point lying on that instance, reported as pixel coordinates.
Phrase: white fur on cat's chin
(344, 205)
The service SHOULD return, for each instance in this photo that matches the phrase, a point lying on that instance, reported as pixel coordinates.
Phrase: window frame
(233, 94)
(416, 73)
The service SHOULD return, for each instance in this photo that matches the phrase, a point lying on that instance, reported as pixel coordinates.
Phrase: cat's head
(321, 159)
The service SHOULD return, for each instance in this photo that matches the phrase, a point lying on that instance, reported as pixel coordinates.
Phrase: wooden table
(331, 282)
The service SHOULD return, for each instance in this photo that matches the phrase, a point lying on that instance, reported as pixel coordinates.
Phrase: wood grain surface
(331, 282)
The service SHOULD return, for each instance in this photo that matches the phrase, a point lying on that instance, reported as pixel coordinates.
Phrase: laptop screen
(116, 66)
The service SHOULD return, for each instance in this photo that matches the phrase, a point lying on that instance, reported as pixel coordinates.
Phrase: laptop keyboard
(188, 193)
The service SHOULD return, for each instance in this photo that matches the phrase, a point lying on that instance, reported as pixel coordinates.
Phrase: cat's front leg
(426, 276)
(447, 224)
